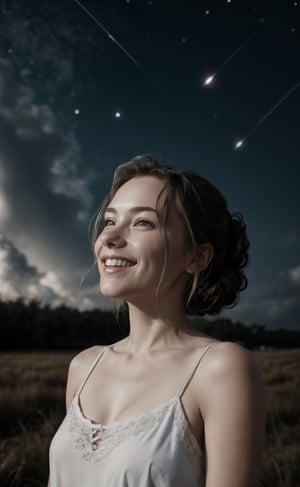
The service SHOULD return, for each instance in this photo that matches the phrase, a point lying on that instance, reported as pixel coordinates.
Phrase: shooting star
(211, 77)
(112, 38)
(241, 142)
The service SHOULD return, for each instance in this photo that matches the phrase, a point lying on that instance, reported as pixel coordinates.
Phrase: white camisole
(156, 448)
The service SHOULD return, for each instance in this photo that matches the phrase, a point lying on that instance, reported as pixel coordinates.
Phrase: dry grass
(281, 372)
(32, 388)
(32, 406)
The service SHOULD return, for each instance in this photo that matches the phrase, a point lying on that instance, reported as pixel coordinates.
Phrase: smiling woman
(133, 234)
(150, 409)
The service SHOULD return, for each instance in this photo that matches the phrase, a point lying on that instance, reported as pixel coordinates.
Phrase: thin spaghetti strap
(91, 370)
(191, 375)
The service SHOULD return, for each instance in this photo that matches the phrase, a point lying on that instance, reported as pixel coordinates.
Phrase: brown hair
(204, 211)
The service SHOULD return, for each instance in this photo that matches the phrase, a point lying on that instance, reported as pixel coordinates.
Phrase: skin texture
(224, 401)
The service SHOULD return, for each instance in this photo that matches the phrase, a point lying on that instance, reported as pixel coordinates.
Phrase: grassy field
(32, 406)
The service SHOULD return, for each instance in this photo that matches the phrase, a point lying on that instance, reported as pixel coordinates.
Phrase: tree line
(33, 326)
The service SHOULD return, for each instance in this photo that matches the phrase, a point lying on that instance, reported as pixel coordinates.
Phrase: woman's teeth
(117, 263)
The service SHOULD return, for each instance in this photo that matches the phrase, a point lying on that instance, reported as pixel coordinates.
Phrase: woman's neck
(155, 329)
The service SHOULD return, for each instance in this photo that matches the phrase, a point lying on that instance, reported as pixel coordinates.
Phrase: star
(117, 114)
(76, 111)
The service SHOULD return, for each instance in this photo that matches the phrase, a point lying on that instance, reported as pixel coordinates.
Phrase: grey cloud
(45, 195)
(43, 182)
(19, 278)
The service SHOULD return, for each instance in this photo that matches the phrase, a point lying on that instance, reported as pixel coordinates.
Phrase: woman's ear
(201, 261)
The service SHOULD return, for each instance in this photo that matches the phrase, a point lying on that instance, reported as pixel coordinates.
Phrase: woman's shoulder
(79, 368)
(227, 359)
(228, 354)
(81, 365)
(85, 358)
(228, 368)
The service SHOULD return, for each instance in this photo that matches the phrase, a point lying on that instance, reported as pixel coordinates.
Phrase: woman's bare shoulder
(229, 367)
(229, 353)
(85, 358)
(225, 359)
(79, 368)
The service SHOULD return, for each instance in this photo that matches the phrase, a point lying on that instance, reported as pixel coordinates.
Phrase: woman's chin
(110, 292)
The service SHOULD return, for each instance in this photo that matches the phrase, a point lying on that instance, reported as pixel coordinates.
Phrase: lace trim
(95, 441)
(187, 437)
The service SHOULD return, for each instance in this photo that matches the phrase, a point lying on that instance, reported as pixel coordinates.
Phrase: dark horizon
(33, 327)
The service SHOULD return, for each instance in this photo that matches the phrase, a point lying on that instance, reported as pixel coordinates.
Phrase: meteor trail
(240, 142)
(210, 78)
(109, 35)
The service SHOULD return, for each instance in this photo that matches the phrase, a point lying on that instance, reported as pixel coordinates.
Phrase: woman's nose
(112, 238)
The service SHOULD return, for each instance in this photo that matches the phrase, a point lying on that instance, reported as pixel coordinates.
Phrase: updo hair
(204, 212)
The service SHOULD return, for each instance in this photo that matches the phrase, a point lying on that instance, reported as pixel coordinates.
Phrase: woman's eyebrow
(134, 209)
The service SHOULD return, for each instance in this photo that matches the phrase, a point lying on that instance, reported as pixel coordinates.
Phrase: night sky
(85, 86)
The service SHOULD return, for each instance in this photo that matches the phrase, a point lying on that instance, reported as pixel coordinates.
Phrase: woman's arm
(233, 410)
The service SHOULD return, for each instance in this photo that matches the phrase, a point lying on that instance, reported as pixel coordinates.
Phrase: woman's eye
(108, 222)
(144, 223)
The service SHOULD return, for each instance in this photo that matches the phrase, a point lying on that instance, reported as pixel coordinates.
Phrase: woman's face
(130, 251)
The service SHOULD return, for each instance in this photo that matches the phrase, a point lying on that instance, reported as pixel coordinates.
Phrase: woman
(167, 405)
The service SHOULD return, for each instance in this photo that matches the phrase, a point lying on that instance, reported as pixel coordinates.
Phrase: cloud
(67, 179)
(45, 197)
(43, 185)
(21, 279)
(18, 278)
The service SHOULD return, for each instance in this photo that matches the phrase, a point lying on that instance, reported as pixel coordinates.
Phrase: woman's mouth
(109, 262)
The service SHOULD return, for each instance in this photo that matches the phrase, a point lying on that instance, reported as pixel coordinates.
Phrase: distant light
(183, 40)
(228, 1)
(76, 111)
(207, 12)
(209, 80)
(239, 144)
(117, 114)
